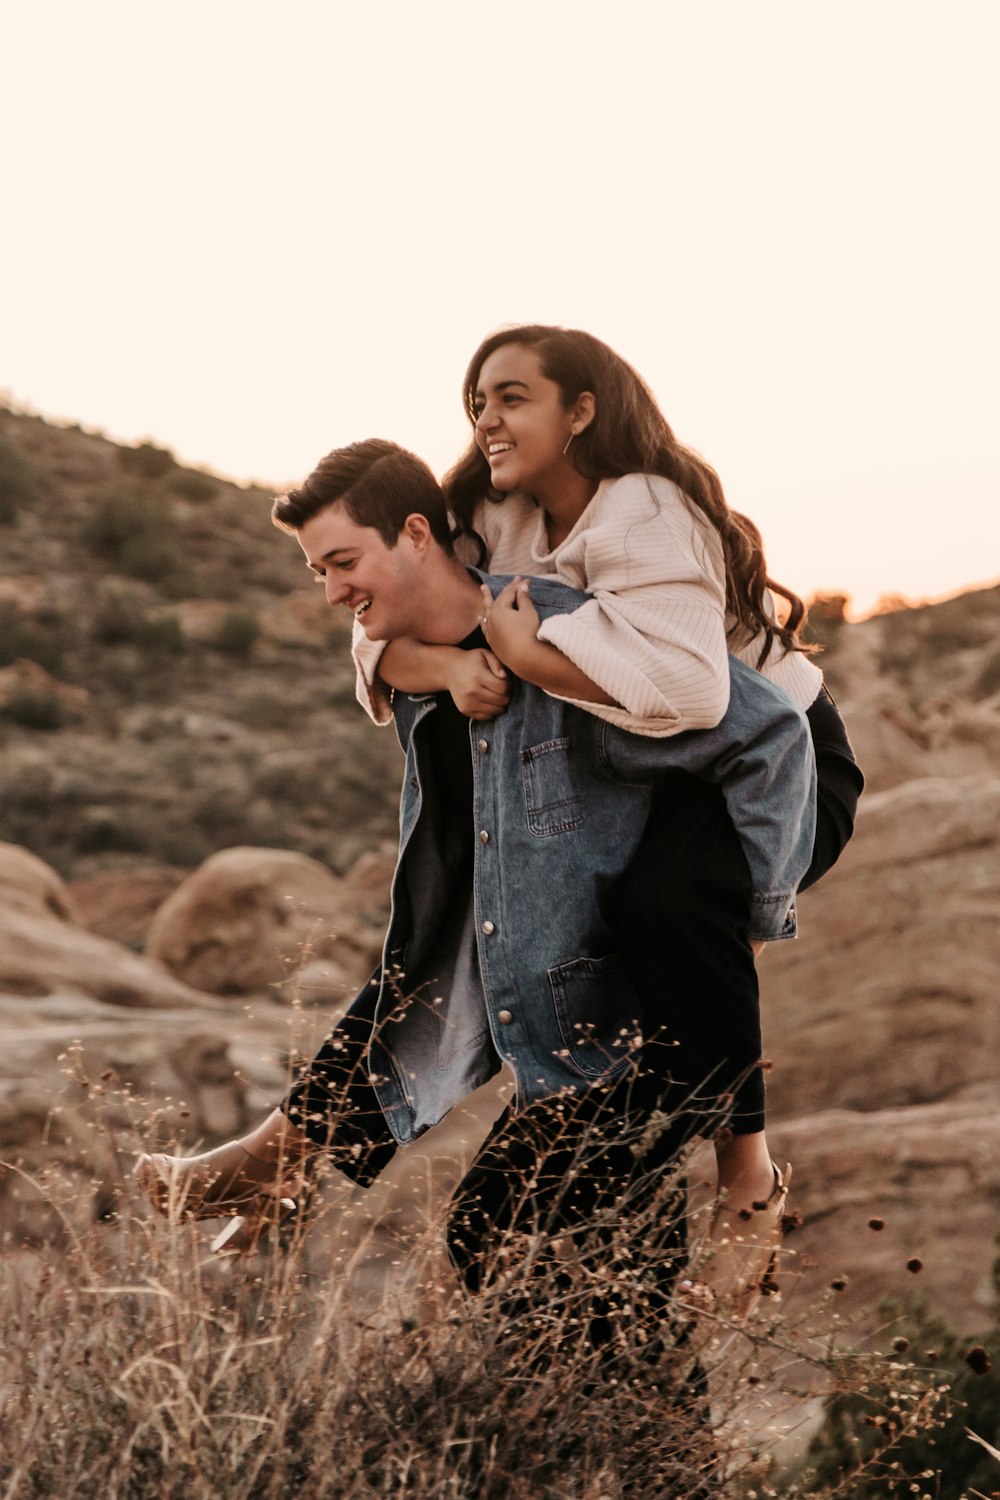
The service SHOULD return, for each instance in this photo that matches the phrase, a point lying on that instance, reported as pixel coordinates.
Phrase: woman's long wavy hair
(629, 435)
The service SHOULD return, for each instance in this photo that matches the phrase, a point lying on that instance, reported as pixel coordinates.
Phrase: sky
(254, 233)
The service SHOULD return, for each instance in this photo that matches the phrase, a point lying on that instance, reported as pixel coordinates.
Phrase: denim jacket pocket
(595, 1008)
(552, 802)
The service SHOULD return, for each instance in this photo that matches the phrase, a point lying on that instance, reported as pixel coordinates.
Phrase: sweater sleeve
(369, 689)
(653, 634)
(793, 671)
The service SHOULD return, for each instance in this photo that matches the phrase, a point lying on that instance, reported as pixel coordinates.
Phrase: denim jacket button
(484, 837)
(483, 744)
(488, 928)
(504, 1017)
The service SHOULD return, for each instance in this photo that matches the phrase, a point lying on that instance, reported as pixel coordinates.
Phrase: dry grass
(135, 1364)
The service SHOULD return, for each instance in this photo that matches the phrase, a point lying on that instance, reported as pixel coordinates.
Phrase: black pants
(591, 1165)
(588, 1173)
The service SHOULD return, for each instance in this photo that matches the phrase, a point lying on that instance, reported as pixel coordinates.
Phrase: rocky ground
(199, 826)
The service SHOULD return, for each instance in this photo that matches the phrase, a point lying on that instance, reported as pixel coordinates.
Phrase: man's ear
(417, 531)
(584, 412)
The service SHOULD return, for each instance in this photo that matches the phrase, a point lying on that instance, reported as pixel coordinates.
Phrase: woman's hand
(478, 683)
(510, 624)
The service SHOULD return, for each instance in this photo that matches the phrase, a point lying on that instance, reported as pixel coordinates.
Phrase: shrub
(222, 814)
(102, 829)
(856, 1425)
(135, 533)
(191, 485)
(259, 1380)
(827, 615)
(162, 637)
(34, 708)
(238, 632)
(122, 621)
(153, 557)
(30, 790)
(118, 517)
(22, 636)
(19, 484)
(147, 460)
(291, 782)
(263, 711)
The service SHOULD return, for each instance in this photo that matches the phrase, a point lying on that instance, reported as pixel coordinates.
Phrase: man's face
(380, 585)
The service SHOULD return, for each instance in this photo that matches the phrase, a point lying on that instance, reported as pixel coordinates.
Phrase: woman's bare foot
(249, 1175)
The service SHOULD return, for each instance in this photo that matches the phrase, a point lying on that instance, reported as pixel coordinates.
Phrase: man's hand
(510, 624)
(477, 681)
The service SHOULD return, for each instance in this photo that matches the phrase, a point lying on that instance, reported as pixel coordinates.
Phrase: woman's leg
(682, 916)
(331, 1109)
(839, 784)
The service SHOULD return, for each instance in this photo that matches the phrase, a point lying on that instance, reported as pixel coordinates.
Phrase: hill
(168, 684)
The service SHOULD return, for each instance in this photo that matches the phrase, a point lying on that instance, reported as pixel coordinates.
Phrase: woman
(574, 472)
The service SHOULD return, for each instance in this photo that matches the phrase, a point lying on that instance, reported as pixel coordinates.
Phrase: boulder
(121, 903)
(44, 952)
(945, 736)
(248, 919)
(889, 995)
(84, 1085)
(28, 884)
(44, 955)
(899, 1203)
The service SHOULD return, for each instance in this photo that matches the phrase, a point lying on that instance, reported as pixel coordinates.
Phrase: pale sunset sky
(254, 232)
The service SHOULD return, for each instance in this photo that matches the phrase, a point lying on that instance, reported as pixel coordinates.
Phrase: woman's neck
(564, 503)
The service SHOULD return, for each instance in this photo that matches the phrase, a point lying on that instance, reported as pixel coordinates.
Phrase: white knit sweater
(654, 633)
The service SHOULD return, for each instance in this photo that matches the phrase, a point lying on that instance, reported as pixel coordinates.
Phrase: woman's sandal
(744, 1255)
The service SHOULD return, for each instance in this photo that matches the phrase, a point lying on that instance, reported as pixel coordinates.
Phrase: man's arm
(476, 679)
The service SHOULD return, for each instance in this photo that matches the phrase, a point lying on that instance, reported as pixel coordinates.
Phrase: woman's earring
(568, 441)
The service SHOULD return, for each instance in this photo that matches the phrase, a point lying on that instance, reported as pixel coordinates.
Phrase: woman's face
(522, 425)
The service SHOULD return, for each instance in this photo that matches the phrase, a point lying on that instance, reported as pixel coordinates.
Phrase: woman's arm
(512, 630)
(653, 634)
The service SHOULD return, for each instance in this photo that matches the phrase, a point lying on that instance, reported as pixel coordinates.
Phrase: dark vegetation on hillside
(189, 693)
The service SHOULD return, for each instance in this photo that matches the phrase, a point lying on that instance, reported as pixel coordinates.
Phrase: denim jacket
(522, 968)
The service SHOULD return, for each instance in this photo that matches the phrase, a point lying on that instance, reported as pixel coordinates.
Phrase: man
(503, 944)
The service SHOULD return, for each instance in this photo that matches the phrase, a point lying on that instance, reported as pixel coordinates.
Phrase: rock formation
(249, 919)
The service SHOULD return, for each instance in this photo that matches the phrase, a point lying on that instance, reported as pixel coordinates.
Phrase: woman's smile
(522, 424)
